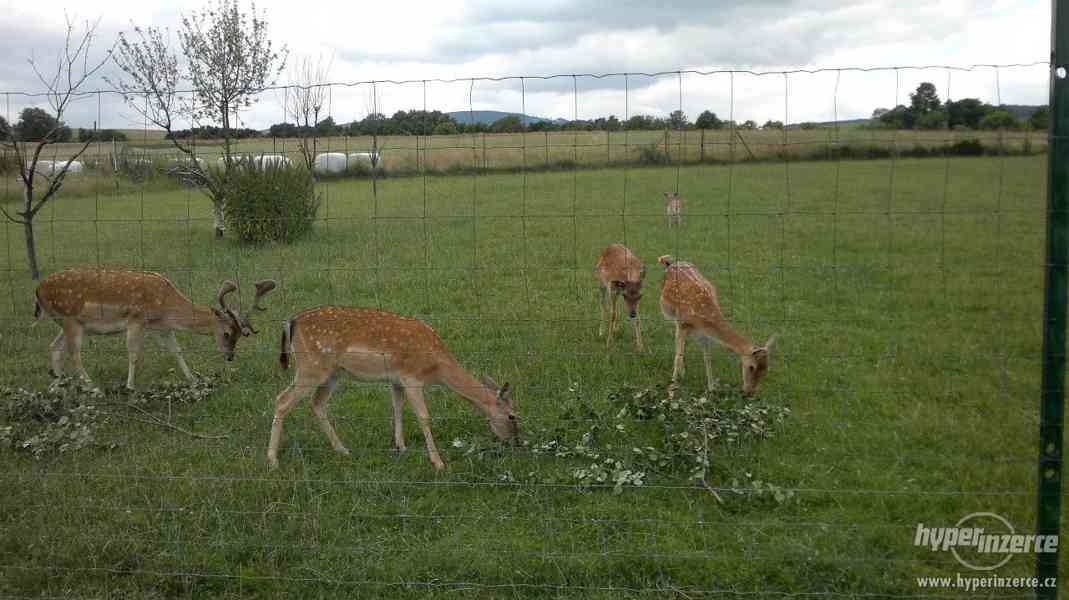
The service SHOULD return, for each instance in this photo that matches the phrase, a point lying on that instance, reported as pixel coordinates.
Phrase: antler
(262, 287)
(228, 286)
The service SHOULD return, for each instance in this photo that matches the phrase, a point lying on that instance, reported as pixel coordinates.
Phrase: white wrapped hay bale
(332, 163)
(51, 167)
(371, 159)
(271, 160)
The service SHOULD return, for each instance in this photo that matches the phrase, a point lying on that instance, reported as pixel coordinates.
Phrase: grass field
(906, 300)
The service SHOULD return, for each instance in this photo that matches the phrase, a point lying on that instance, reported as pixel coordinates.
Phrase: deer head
(755, 365)
(632, 292)
(502, 411)
(231, 325)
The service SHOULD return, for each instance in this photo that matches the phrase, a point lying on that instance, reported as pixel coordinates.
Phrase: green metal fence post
(1052, 399)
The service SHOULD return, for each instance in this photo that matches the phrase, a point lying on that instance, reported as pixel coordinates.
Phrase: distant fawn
(673, 207)
(689, 300)
(375, 345)
(95, 302)
(621, 274)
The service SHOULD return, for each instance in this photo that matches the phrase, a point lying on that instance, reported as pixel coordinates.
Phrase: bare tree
(62, 83)
(305, 101)
(228, 60)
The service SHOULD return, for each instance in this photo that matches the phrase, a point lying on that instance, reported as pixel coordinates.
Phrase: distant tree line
(927, 111)
(211, 132)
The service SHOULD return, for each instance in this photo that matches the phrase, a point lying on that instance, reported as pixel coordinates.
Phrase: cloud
(407, 40)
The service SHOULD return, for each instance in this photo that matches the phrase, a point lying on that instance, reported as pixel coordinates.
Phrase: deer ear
(505, 394)
(490, 383)
(666, 194)
(769, 343)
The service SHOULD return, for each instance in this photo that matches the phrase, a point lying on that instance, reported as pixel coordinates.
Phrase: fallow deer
(674, 207)
(689, 300)
(620, 273)
(98, 302)
(375, 345)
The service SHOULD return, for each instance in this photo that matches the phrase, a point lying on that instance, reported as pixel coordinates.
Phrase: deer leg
(135, 342)
(171, 343)
(398, 414)
(56, 356)
(681, 338)
(604, 311)
(414, 391)
(72, 334)
(286, 400)
(707, 358)
(319, 407)
(638, 334)
(612, 319)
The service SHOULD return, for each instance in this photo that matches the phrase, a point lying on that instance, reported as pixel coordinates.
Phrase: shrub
(966, 148)
(273, 203)
(651, 155)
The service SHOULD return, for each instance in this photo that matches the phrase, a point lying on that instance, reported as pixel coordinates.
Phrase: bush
(274, 203)
(966, 148)
(651, 155)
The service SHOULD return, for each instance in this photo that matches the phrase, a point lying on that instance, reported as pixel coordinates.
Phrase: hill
(487, 117)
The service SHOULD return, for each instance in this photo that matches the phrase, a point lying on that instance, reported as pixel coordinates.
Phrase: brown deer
(689, 300)
(376, 345)
(674, 207)
(98, 302)
(620, 273)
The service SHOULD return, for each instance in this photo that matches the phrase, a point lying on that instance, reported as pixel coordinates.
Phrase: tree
(62, 84)
(305, 100)
(899, 117)
(770, 124)
(748, 124)
(507, 124)
(708, 120)
(678, 120)
(445, 128)
(966, 112)
(36, 123)
(1040, 119)
(5, 129)
(924, 100)
(935, 119)
(325, 128)
(229, 58)
(999, 119)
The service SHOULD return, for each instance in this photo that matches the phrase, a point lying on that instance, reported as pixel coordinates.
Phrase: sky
(400, 40)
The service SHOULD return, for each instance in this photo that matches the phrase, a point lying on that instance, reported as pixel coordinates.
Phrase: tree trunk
(31, 250)
(220, 225)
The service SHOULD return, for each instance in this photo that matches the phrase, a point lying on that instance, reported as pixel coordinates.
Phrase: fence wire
(900, 272)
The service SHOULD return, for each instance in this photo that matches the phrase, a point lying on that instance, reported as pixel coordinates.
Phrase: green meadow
(906, 300)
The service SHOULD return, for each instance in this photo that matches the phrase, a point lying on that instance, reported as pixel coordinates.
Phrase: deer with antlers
(620, 273)
(689, 300)
(99, 302)
(375, 345)
(673, 206)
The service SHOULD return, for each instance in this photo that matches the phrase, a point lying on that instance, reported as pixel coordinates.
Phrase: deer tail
(287, 342)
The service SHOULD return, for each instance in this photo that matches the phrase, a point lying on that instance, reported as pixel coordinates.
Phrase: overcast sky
(402, 40)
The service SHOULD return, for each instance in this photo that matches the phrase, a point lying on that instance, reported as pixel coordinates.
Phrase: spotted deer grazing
(375, 345)
(621, 274)
(689, 300)
(99, 302)
(674, 207)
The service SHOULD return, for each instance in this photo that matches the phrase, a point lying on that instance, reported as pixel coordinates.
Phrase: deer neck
(198, 318)
(457, 379)
(726, 335)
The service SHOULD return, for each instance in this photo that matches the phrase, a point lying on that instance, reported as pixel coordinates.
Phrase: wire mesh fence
(900, 272)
